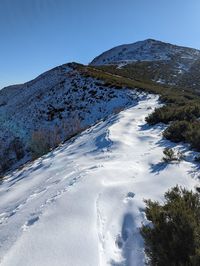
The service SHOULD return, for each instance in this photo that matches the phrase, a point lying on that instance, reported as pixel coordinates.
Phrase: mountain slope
(82, 204)
(155, 61)
(50, 109)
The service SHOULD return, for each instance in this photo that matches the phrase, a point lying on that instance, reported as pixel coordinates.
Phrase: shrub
(40, 143)
(43, 140)
(170, 155)
(187, 131)
(177, 131)
(175, 112)
(174, 237)
(17, 147)
(193, 135)
(10, 153)
(4, 163)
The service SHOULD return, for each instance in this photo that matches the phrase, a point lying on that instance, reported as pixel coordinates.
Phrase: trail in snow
(82, 205)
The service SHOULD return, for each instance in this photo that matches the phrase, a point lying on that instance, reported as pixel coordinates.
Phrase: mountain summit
(147, 50)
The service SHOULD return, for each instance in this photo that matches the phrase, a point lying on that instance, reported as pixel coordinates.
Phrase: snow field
(82, 204)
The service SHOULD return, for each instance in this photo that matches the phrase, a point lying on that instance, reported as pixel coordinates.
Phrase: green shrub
(177, 131)
(170, 155)
(174, 237)
(187, 131)
(193, 135)
(173, 112)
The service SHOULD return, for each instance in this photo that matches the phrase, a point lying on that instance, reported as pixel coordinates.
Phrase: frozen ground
(82, 205)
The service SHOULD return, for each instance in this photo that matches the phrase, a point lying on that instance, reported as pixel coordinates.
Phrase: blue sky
(36, 35)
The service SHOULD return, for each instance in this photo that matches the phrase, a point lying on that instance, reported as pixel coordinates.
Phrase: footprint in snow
(30, 222)
(130, 195)
(119, 242)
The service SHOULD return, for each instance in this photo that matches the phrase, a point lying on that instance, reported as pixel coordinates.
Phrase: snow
(161, 81)
(82, 204)
(61, 99)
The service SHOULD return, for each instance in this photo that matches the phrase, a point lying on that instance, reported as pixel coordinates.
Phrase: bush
(175, 112)
(17, 147)
(193, 135)
(40, 143)
(174, 237)
(170, 155)
(187, 131)
(177, 131)
(44, 140)
(10, 153)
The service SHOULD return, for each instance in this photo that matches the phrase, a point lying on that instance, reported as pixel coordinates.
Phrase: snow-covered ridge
(82, 204)
(60, 100)
(147, 50)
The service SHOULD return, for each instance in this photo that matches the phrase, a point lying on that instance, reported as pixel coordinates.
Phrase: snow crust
(82, 204)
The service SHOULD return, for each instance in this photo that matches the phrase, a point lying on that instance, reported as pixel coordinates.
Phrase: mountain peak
(146, 50)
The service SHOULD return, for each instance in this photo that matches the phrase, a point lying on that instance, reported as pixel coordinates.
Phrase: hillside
(40, 114)
(155, 61)
(82, 204)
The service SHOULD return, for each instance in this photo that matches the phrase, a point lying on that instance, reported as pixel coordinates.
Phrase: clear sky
(36, 35)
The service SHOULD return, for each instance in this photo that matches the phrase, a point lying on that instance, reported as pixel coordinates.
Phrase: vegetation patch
(173, 236)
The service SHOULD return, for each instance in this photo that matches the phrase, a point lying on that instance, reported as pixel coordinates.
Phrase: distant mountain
(157, 61)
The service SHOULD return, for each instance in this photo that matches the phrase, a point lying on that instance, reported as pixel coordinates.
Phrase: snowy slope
(82, 204)
(147, 50)
(58, 103)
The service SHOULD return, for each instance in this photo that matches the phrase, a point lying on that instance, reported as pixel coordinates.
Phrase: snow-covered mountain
(155, 61)
(82, 204)
(56, 105)
(147, 50)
